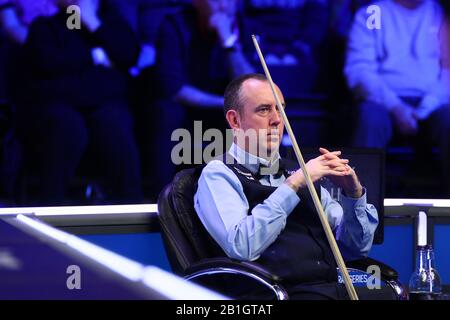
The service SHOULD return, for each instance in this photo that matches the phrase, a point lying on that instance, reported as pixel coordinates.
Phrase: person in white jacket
(399, 75)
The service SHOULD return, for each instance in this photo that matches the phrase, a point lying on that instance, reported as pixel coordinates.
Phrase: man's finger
(340, 168)
(320, 158)
(325, 151)
(336, 162)
(334, 154)
(337, 173)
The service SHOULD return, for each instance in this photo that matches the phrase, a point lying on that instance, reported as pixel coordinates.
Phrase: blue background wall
(442, 251)
(146, 248)
(396, 250)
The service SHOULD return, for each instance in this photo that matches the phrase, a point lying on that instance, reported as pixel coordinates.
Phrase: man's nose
(276, 117)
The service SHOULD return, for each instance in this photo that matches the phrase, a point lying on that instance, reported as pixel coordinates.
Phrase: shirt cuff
(355, 204)
(285, 197)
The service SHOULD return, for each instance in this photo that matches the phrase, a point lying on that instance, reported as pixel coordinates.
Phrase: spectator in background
(199, 50)
(332, 76)
(77, 92)
(342, 14)
(145, 17)
(399, 76)
(292, 35)
(17, 15)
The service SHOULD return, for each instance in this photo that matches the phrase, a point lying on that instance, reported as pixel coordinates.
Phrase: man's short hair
(232, 96)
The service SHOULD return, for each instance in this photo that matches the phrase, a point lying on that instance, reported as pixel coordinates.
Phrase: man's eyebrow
(268, 105)
(263, 105)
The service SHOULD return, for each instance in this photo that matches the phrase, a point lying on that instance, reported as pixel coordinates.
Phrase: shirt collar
(250, 161)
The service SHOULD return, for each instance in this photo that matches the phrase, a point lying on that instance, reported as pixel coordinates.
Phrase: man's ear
(233, 118)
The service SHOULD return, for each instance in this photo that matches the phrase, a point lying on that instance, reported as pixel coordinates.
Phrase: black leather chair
(194, 255)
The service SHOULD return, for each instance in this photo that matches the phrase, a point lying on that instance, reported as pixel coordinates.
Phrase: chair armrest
(213, 266)
(387, 273)
(223, 262)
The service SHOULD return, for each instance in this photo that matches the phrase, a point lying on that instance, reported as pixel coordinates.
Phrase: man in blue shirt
(257, 209)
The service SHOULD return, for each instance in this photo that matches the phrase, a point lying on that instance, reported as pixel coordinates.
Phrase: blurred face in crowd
(259, 113)
(207, 8)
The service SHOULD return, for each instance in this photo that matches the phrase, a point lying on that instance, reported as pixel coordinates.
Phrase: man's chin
(274, 140)
(273, 147)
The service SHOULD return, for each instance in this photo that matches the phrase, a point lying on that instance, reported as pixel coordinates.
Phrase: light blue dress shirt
(223, 208)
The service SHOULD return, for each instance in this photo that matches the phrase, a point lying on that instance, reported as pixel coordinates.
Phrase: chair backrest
(184, 236)
(369, 164)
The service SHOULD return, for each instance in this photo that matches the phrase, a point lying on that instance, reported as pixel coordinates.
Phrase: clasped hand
(330, 165)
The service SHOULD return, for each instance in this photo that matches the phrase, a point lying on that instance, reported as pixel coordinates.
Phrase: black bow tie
(265, 171)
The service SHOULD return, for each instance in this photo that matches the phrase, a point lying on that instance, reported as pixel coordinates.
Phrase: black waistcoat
(301, 253)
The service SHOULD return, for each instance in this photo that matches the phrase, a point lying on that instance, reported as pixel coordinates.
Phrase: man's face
(210, 7)
(260, 113)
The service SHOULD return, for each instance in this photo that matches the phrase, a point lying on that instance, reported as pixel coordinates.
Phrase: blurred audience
(342, 14)
(17, 15)
(162, 64)
(292, 35)
(199, 50)
(77, 101)
(399, 75)
(332, 77)
(145, 17)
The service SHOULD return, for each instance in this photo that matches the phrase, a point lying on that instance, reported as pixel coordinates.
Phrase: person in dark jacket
(76, 100)
(200, 49)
